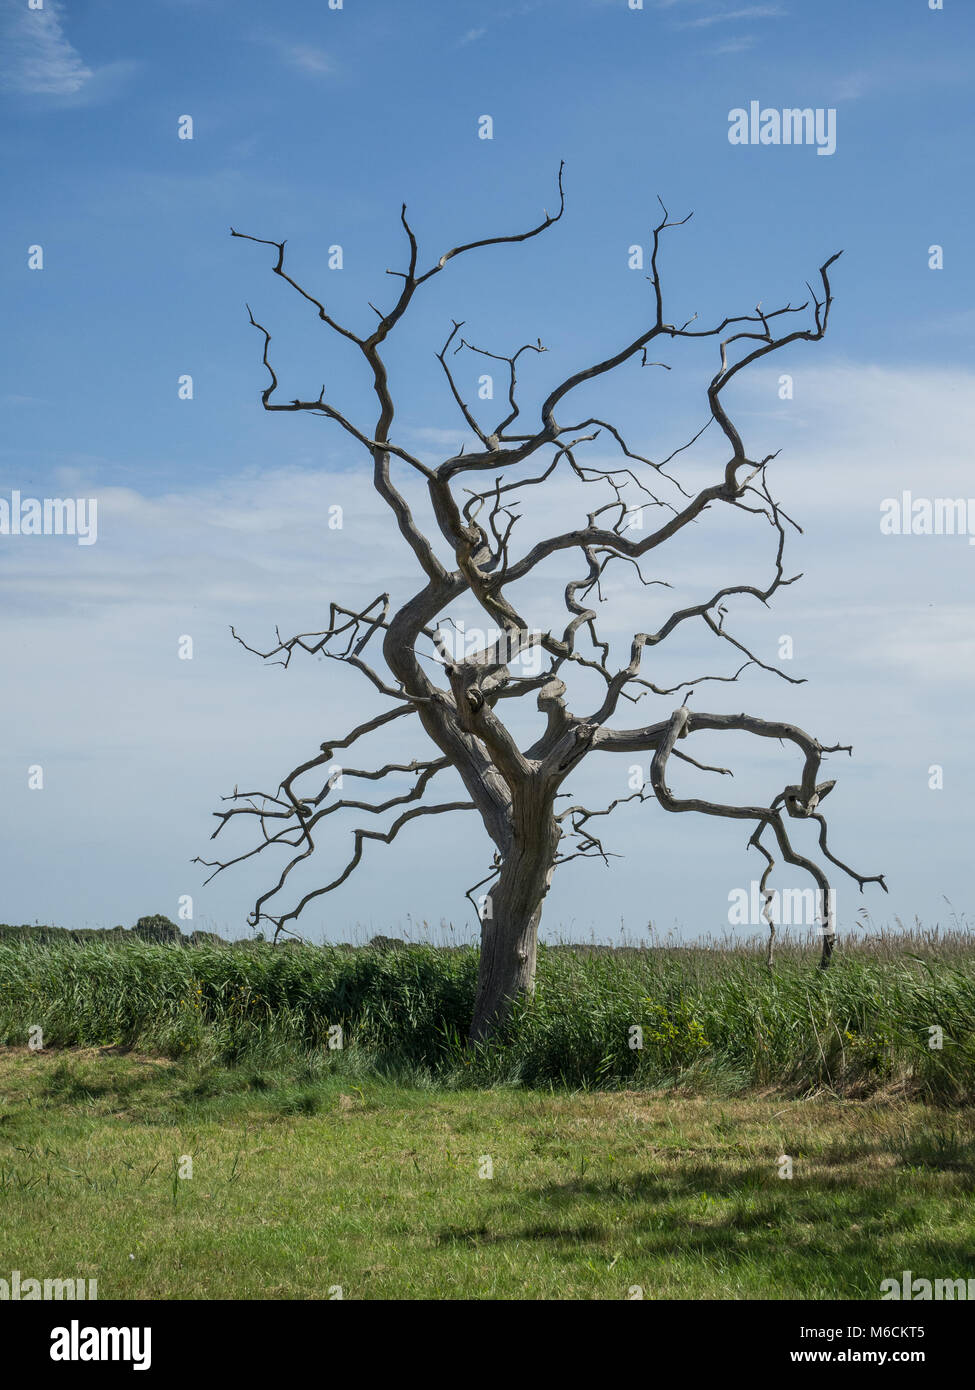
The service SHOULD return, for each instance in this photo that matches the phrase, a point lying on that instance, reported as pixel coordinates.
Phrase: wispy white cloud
(734, 46)
(899, 75)
(37, 56)
(38, 60)
(849, 86)
(304, 57)
(472, 36)
(728, 16)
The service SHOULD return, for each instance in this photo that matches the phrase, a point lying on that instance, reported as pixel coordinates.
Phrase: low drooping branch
(800, 801)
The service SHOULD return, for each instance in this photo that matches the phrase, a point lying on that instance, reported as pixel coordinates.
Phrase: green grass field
(561, 1162)
(302, 1184)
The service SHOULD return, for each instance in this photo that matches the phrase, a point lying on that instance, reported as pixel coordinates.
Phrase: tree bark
(509, 931)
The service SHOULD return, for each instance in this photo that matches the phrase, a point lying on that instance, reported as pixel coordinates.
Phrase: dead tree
(457, 699)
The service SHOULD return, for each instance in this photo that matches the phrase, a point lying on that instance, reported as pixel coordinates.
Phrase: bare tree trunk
(829, 944)
(509, 933)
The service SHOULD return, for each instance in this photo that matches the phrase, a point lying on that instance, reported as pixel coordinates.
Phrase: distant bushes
(155, 928)
(702, 1019)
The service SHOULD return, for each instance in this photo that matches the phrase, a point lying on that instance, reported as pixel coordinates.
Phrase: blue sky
(315, 124)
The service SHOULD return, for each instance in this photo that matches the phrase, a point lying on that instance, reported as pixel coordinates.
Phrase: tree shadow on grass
(815, 1237)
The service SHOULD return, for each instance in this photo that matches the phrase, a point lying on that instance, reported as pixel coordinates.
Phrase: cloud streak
(734, 46)
(38, 58)
(729, 16)
(300, 57)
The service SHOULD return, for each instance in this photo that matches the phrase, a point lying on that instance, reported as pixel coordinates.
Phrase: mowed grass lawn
(298, 1188)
